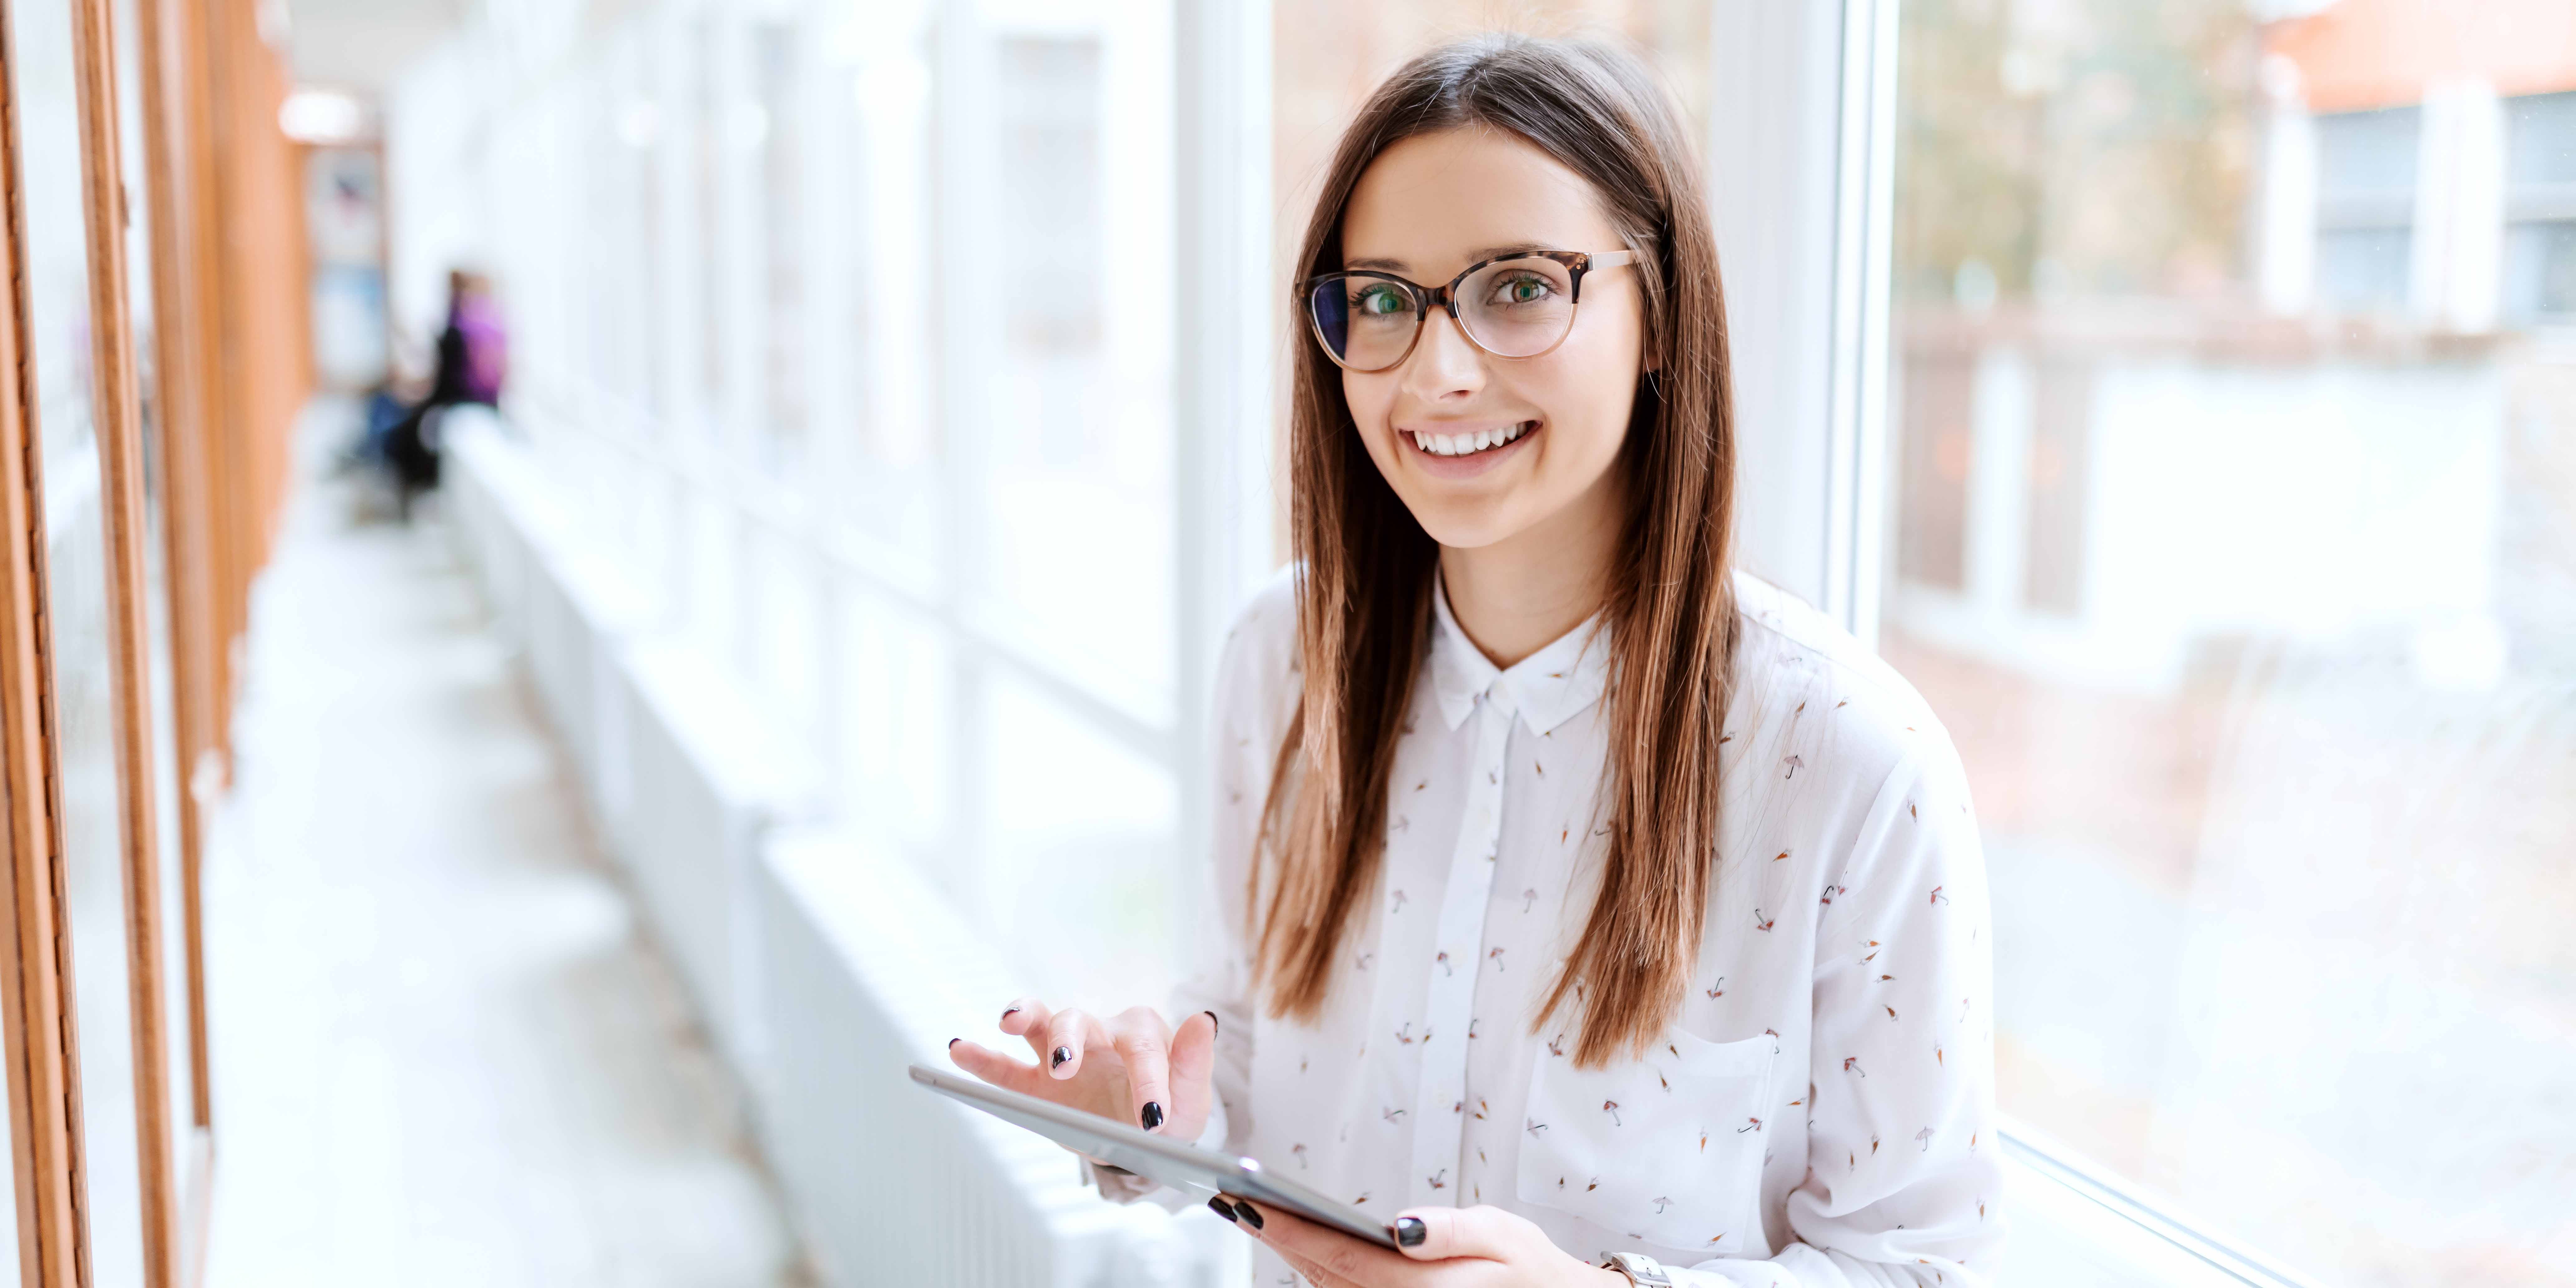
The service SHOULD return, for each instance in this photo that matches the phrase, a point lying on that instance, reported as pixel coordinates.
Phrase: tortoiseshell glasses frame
(1512, 328)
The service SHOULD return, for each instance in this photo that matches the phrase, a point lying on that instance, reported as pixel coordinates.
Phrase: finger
(1250, 1220)
(1068, 1034)
(1140, 1039)
(1340, 1257)
(1312, 1272)
(997, 1068)
(1026, 1018)
(1193, 1055)
(1022, 1015)
(1443, 1234)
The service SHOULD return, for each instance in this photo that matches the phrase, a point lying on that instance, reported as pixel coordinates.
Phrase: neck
(1524, 592)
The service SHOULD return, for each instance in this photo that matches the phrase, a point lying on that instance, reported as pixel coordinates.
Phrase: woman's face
(1426, 209)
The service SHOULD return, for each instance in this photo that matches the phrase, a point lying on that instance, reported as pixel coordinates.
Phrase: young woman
(1583, 897)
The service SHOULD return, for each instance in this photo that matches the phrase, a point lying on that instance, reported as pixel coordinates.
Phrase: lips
(1469, 441)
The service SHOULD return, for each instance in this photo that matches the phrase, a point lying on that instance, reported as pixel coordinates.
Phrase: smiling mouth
(1469, 444)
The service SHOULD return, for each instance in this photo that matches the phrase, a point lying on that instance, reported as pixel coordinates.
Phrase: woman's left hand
(1477, 1247)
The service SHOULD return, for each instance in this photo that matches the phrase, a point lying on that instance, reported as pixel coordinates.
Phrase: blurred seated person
(473, 357)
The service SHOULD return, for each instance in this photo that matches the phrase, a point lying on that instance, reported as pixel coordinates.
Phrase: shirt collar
(1546, 689)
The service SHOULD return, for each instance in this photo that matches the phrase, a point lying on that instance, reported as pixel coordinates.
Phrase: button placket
(1458, 952)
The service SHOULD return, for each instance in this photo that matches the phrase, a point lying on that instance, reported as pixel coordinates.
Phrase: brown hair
(1365, 578)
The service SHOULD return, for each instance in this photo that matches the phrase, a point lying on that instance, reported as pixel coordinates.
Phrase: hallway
(447, 1055)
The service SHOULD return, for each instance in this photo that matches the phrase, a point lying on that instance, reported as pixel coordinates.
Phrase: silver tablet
(1185, 1167)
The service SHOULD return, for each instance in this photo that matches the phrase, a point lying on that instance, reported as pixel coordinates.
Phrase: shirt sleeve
(1904, 1178)
(1253, 701)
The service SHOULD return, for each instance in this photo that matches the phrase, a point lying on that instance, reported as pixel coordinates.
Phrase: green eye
(1522, 288)
(1380, 301)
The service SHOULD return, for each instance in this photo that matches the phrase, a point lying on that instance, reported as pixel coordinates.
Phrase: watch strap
(1639, 1268)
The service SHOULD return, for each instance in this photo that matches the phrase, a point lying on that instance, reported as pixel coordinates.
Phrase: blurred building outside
(2235, 540)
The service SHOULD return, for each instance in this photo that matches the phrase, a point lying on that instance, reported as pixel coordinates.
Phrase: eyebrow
(1473, 257)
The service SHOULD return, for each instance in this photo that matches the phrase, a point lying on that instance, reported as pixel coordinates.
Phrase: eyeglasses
(1513, 306)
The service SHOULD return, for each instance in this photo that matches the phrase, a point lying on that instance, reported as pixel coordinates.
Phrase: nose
(1445, 366)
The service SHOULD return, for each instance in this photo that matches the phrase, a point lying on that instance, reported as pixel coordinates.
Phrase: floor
(442, 1053)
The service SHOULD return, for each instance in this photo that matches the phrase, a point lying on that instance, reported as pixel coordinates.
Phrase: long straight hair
(1365, 581)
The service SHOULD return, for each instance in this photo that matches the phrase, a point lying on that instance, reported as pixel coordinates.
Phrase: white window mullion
(1227, 309)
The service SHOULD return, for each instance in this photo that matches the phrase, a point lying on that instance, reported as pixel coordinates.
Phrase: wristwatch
(1639, 1269)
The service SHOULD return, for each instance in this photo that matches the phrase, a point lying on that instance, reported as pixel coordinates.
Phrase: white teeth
(1466, 444)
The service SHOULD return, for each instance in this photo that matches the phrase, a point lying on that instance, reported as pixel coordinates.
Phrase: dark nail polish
(952, 1043)
(1220, 1207)
(1214, 1023)
(1251, 1215)
(1062, 1054)
(1009, 1012)
(1152, 1117)
(1410, 1231)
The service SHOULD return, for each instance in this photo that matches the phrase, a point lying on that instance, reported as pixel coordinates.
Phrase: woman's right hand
(1131, 1067)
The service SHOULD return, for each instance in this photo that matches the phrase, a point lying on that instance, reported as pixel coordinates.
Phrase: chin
(1468, 527)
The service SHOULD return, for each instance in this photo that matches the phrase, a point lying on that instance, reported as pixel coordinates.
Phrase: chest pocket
(1667, 1150)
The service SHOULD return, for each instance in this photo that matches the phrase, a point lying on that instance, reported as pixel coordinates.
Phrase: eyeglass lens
(1513, 309)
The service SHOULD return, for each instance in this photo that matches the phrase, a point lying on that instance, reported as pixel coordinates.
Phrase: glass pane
(2232, 540)
(1076, 446)
(898, 685)
(776, 122)
(1080, 836)
(58, 297)
(882, 249)
(629, 376)
(2540, 208)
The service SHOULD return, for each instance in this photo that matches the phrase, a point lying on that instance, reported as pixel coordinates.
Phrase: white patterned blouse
(1822, 1110)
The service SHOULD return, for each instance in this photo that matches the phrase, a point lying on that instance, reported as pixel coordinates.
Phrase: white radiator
(822, 971)
(869, 972)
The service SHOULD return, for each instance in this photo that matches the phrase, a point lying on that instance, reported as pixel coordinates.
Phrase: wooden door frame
(178, 171)
(116, 414)
(38, 1011)
(36, 1005)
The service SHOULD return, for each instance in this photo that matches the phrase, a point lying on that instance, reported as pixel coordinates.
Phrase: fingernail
(1410, 1231)
(1213, 1023)
(1251, 1214)
(1062, 1054)
(952, 1043)
(1219, 1207)
(1153, 1115)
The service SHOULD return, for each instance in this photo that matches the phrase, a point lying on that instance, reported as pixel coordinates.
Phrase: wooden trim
(198, 87)
(213, 82)
(185, 537)
(36, 1011)
(117, 415)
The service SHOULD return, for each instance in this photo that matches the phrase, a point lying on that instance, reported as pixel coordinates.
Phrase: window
(2249, 617)
(2540, 207)
(875, 408)
(2366, 206)
(775, 126)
